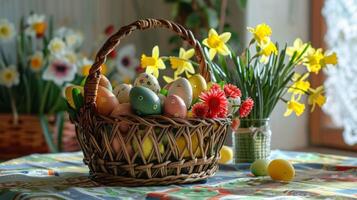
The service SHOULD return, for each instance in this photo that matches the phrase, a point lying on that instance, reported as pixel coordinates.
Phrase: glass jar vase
(251, 140)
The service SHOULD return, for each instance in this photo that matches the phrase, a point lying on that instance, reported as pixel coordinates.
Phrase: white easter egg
(182, 88)
(148, 81)
(122, 92)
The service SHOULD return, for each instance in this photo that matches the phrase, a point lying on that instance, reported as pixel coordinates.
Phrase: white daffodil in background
(126, 64)
(84, 66)
(7, 30)
(36, 25)
(57, 47)
(36, 61)
(71, 56)
(9, 76)
(60, 70)
(72, 38)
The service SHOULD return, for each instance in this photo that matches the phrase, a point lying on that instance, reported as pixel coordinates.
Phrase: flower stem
(13, 108)
(44, 97)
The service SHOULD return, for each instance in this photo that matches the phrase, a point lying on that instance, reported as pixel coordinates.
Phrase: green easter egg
(144, 101)
(259, 167)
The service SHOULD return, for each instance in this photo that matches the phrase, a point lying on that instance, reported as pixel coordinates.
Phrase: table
(64, 176)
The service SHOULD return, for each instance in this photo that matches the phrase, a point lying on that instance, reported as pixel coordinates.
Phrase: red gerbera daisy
(216, 102)
(232, 91)
(199, 110)
(215, 86)
(246, 107)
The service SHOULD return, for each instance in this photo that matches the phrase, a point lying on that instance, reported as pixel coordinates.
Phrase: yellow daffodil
(168, 79)
(267, 50)
(9, 76)
(84, 66)
(217, 43)
(153, 63)
(300, 85)
(36, 61)
(7, 30)
(261, 33)
(182, 63)
(316, 60)
(316, 97)
(298, 47)
(294, 106)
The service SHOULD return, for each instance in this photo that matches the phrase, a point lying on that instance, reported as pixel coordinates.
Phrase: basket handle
(91, 85)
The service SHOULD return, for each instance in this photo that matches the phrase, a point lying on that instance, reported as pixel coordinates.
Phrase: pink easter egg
(174, 106)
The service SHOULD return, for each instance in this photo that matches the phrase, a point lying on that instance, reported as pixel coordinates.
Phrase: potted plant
(31, 82)
(268, 75)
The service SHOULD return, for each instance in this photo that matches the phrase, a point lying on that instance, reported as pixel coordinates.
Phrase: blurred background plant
(201, 15)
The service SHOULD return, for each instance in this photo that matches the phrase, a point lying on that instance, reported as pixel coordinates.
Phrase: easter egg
(146, 145)
(103, 81)
(226, 155)
(182, 88)
(69, 96)
(148, 81)
(182, 146)
(144, 101)
(116, 144)
(281, 170)
(105, 101)
(122, 92)
(174, 106)
(122, 110)
(259, 167)
(198, 84)
(233, 104)
(124, 127)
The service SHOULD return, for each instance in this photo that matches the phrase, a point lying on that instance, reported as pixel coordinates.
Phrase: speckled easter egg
(148, 81)
(233, 104)
(122, 110)
(105, 101)
(198, 84)
(174, 106)
(182, 88)
(122, 92)
(144, 101)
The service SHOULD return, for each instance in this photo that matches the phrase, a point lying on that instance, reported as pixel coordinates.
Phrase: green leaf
(212, 18)
(242, 3)
(47, 134)
(193, 20)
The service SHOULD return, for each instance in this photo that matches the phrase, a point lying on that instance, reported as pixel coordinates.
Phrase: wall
(289, 19)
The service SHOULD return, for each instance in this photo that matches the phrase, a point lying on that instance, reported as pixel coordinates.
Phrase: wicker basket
(159, 160)
(27, 136)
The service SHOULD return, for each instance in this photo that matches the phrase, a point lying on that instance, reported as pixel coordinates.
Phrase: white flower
(36, 61)
(36, 25)
(57, 47)
(126, 58)
(7, 30)
(72, 38)
(71, 57)
(126, 64)
(60, 71)
(9, 76)
(84, 65)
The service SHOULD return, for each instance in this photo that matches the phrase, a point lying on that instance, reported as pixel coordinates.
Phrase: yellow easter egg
(281, 170)
(69, 96)
(198, 84)
(226, 155)
(181, 143)
(147, 146)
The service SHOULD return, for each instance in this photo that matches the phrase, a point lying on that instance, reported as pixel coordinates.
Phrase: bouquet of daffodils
(266, 74)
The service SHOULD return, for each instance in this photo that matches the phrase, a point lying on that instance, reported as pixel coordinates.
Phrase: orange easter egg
(106, 102)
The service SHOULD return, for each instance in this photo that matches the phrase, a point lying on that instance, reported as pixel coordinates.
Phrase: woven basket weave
(252, 143)
(157, 150)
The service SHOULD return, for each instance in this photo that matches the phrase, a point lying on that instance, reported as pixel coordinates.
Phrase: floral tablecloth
(63, 176)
